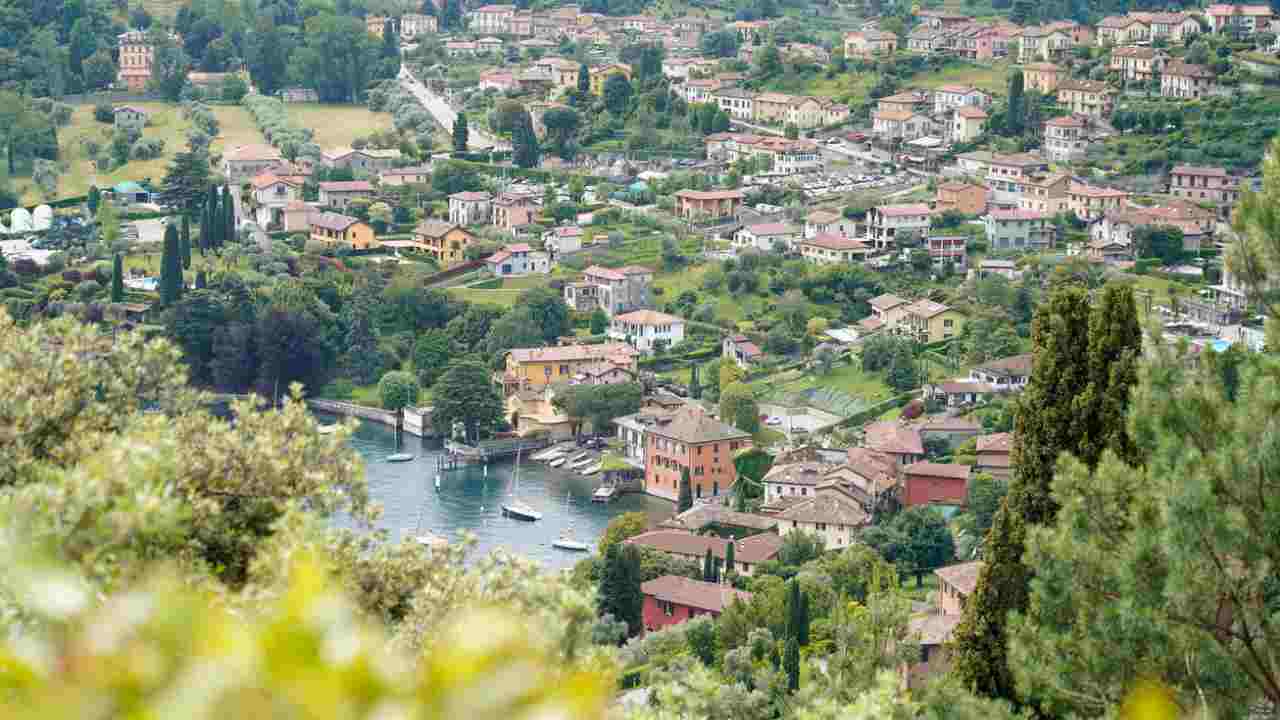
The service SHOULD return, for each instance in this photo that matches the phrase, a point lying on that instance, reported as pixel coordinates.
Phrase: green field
(991, 78)
(338, 125)
(501, 298)
(166, 124)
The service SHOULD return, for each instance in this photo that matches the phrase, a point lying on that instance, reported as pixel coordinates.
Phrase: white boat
(400, 457)
(557, 462)
(431, 540)
(592, 470)
(547, 454)
(515, 507)
(567, 542)
(578, 457)
(582, 463)
(327, 429)
(603, 494)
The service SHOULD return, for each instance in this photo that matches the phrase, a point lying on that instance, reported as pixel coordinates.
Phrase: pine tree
(1075, 403)
(791, 664)
(729, 559)
(184, 241)
(170, 267)
(686, 492)
(117, 279)
(695, 386)
(460, 133)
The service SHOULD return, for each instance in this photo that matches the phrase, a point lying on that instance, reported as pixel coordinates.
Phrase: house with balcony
(518, 260)
(1008, 374)
(950, 97)
(1092, 98)
(704, 205)
(647, 330)
(613, 290)
(928, 321)
(1137, 63)
(1065, 139)
(1121, 30)
(1187, 81)
(536, 368)
(1089, 202)
(1045, 193)
(1020, 230)
(271, 195)
(1043, 76)
(1044, 44)
(342, 231)
(960, 197)
(446, 242)
(1005, 174)
(1203, 184)
(245, 161)
(833, 513)
(948, 249)
(470, 208)
(820, 222)
(869, 43)
(830, 249)
(887, 222)
(1239, 20)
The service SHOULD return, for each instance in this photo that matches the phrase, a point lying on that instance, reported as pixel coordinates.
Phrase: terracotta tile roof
(1094, 86)
(831, 506)
(890, 437)
(1013, 366)
(971, 112)
(347, 186)
(953, 471)
(963, 577)
(333, 221)
(648, 317)
(799, 473)
(435, 228)
(996, 443)
(753, 549)
(711, 597)
(957, 89)
(831, 241)
(926, 308)
(1077, 188)
(710, 194)
(248, 153)
(822, 217)
(1018, 214)
(934, 628)
(876, 467)
(691, 425)
(267, 180)
(1065, 121)
(603, 351)
(1018, 159)
(470, 196)
(886, 301)
(903, 210)
(769, 229)
(870, 323)
(700, 516)
(1182, 69)
(950, 424)
(1043, 67)
(892, 115)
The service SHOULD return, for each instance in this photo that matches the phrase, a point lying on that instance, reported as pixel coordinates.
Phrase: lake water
(469, 499)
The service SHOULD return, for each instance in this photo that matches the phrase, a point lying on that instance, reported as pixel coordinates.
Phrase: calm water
(470, 499)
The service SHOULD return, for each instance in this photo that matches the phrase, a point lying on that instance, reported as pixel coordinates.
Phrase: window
(668, 608)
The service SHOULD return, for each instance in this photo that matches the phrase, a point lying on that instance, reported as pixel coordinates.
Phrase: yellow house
(446, 242)
(601, 74)
(928, 321)
(534, 411)
(333, 228)
(534, 368)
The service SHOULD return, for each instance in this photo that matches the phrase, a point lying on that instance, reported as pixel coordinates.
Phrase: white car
(773, 421)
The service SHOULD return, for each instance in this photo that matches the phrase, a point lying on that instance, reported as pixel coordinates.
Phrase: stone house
(340, 193)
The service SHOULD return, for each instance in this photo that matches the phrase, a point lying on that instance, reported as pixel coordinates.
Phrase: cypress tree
(211, 207)
(708, 567)
(117, 279)
(793, 609)
(228, 219)
(202, 240)
(170, 268)
(584, 80)
(202, 281)
(729, 559)
(184, 242)
(791, 664)
(1075, 403)
(802, 630)
(93, 199)
(460, 133)
(1016, 115)
(695, 386)
(686, 492)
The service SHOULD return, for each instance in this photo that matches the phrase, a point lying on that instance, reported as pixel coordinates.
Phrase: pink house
(671, 600)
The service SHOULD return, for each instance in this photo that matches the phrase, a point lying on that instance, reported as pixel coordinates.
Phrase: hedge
(672, 360)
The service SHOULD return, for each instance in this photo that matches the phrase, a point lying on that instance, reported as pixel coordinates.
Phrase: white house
(563, 239)
(886, 222)
(646, 328)
(823, 222)
(950, 97)
(833, 514)
(766, 237)
(519, 259)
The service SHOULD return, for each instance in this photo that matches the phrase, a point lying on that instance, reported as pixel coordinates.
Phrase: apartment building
(1019, 230)
(1093, 98)
(1184, 80)
(1211, 184)
(887, 222)
(691, 441)
(1065, 139)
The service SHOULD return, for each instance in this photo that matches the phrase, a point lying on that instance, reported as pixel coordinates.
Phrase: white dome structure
(20, 221)
(42, 218)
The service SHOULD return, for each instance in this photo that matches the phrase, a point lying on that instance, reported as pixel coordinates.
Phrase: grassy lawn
(338, 125)
(167, 124)
(991, 78)
(502, 298)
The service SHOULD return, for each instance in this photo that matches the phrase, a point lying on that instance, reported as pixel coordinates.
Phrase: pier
(487, 451)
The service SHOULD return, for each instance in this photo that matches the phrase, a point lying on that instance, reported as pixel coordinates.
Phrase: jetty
(486, 451)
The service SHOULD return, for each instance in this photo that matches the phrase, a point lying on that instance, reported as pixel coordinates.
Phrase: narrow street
(445, 115)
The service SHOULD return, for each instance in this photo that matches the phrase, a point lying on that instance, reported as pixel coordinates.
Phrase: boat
(327, 429)
(593, 469)
(431, 540)
(515, 507)
(603, 494)
(578, 457)
(546, 454)
(400, 457)
(582, 463)
(567, 542)
(557, 462)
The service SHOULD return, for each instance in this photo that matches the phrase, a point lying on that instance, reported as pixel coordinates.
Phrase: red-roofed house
(766, 237)
(741, 350)
(1006, 374)
(693, 441)
(994, 455)
(828, 249)
(516, 260)
(1239, 19)
(961, 197)
(340, 193)
(747, 552)
(924, 483)
(701, 205)
(614, 290)
(1187, 81)
(898, 441)
(271, 195)
(671, 600)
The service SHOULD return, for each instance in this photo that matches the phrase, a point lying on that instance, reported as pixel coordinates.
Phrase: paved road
(445, 115)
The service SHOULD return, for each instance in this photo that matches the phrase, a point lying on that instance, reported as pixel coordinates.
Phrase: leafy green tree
(170, 267)
(1159, 241)
(362, 357)
(686, 492)
(562, 127)
(117, 279)
(903, 375)
(169, 66)
(929, 544)
(1049, 421)
(431, 355)
(599, 322)
(617, 94)
(192, 322)
(598, 404)
(186, 180)
(465, 394)
(769, 62)
(620, 528)
(738, 407)
(460, 133)
(398, 390)
(548, 311)
(1255, 259)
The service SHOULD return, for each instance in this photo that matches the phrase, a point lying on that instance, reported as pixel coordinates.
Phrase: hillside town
(754, 360)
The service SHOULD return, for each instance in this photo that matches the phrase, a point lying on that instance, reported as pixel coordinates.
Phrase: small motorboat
(567, 542)
(547, 454)
(399, 457)
(593, 469)
(603, 494)
(578, 457)
(583, 463)
(327, 429)
(520, 511)
(557, 462)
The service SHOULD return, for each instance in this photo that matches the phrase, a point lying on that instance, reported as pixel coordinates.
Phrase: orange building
(708, 204)
(961, 197)
(332, 228)
(691, 440)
